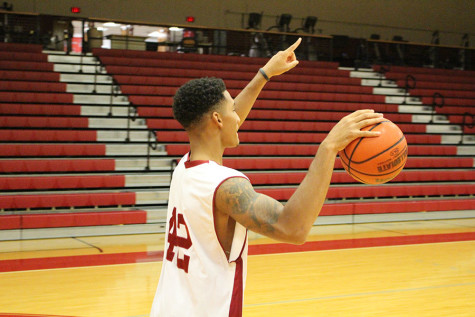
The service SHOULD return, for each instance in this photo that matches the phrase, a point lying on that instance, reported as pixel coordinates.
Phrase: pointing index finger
(294, 46)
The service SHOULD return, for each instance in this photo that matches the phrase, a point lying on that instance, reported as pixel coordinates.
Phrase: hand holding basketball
(283, 61)
(349, 128)
(376, 160)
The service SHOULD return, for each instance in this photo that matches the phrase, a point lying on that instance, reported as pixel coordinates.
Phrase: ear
(216, 118)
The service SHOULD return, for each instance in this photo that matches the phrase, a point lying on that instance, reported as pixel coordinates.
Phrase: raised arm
(291, 223)
(279, 63)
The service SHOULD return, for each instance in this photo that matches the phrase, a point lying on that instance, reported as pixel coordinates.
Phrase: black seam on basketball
(366, 174)
(392, 171)
(378, 154)
(343, 157)
(350, 159)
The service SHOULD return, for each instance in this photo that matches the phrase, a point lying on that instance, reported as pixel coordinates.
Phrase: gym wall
(414, 20)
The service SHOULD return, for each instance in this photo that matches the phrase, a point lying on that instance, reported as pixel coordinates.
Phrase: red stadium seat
(32, 109)
(25, 75)
(17, 47)
(13, 150)
(76, 219)
(396, 207)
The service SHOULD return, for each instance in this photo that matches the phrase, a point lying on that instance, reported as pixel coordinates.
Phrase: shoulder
(225, 173)
(234, 194)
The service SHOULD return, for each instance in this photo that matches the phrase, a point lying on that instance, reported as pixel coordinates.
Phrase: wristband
(263, 73)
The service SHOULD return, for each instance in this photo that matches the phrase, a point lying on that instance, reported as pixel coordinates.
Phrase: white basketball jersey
(197, 279)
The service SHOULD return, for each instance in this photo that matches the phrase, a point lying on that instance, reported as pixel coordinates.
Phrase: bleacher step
(362, 69)
(445, 128)
(72, 59)
(103, 110)
(73, 68)
(466, 150)
(111, 122)
(377, 82)
(100, 99)
(363, 74)
(64, 232)
(402, 100)
(134, 136)
(414, 109)
(162, 164)
(153, 197)
(85, 78)
(149, 179)
(388, 91)
(156, 215)
(455, 139)
(429, 118)
(133, 149)
(91, 88)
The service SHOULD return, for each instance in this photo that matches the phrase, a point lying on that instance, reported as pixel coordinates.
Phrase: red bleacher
(42, 130)
(35, 109)
(48, 135)
(75, 219)
(57, 165)
(66, 200)
(26, 150)
(348, 192)
(295, 178)
(267, 125)
(286, 163)
(287, 137)
(61, 182)
(397, 206)
(44, 122)
(19, 47)
(304, 150)
(26, 75)
(32, 86)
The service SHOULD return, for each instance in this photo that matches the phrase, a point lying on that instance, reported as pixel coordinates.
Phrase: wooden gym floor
(420, 268)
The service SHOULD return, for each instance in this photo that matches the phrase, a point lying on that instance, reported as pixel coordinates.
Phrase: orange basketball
(376, 160)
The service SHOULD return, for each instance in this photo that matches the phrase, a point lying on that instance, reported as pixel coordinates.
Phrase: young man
(211, 206)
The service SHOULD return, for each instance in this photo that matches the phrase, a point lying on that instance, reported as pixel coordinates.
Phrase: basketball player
(211, 207)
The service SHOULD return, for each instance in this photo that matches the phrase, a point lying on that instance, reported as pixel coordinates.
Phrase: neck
(205, 147)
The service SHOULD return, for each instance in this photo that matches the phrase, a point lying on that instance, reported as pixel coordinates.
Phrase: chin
(235, 144)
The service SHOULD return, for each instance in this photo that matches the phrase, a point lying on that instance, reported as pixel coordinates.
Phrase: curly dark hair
(195, 98)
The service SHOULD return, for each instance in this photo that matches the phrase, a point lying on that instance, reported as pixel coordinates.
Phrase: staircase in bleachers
(71, 159)
(64, 162)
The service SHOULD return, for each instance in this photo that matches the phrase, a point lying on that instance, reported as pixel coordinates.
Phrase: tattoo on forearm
(264, 211)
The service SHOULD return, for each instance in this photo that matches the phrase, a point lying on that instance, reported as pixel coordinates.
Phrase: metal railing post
(466, 115)
(410, 84)
(80, 63)
(95, 76)
(154, 145)
(382, 71)
(435, 98)
(130, 109)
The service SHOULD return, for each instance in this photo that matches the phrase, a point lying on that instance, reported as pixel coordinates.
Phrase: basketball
(376, 160)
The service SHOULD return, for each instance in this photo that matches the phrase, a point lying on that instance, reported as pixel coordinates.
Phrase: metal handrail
(132, 115)
(435, 104)
(114, 92)
(410, 83)
(471, 125)
(151, 145)
(98, 63)
(383, 69)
